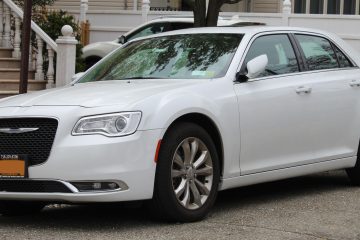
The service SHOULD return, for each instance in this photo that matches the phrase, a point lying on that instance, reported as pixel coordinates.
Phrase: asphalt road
(321, 206)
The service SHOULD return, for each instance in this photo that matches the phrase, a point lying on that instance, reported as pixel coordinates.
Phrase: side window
(148, 30)
(343, 60)
(318, 52)
(280, 53)
(181, 25)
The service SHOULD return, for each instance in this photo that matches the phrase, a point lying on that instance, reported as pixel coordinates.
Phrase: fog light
(96, 186)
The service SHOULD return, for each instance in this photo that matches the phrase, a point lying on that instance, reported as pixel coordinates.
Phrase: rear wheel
(18, 208)
(354, 173)
(187, 174)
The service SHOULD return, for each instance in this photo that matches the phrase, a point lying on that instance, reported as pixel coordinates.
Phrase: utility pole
(25, 47)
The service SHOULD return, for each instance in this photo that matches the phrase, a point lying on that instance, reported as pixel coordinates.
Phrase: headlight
(111, 125)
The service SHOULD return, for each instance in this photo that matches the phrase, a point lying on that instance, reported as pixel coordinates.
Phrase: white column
(50, 71)
(325, 7)
(145, 10)
(83, 10)
(341, 7)
(17, 40)
(307, 7)
(39, 74)
(357, 7)
(66, 56)
(7, 29)
(135, 5)
(286, 7)
(1, 23)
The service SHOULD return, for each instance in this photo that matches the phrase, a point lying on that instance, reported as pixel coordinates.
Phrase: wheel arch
(209, 126)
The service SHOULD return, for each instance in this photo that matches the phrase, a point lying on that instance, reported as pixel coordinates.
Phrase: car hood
(100, 49)
(97, 94)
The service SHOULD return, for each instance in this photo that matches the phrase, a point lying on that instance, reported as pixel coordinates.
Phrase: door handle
(355, 83)
(303, 89)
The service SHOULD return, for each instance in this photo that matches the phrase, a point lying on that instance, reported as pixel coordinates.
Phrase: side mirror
(77, 76)
(256, 66)
(122, 39)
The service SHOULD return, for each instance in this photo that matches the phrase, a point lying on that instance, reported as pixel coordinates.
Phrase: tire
(19, 208)
(354, 173)
(196, 182)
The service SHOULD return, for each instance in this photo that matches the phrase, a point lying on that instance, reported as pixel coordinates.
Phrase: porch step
(4, 94)
(9, 63)
(13, 85)
(5, 52)
(14, 73)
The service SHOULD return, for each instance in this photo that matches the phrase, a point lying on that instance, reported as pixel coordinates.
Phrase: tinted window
(181, 25)
(188, 56)
(343, 60)
(318, 52)
(279, 51)
(148, 30)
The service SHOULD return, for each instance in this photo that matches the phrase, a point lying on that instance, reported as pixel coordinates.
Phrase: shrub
(53, 21)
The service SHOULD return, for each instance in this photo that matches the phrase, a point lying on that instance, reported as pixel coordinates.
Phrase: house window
(300, 6)
(316, 6)
(349, 7)
(333, 7)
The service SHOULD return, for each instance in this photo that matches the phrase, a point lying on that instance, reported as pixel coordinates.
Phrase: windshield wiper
(141, 77)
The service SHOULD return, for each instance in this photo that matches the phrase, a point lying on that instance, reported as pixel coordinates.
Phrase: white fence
(108, 25)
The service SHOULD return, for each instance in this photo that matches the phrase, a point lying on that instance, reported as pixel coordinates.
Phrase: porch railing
(63, 48)
(10, 37)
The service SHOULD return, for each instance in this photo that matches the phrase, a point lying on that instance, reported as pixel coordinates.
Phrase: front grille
(36, 145)
(33, 186)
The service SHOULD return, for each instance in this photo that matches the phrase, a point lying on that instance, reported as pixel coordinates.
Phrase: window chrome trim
(297, 74)
(267, 33)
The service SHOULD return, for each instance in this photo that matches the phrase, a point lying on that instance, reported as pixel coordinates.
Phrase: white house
(347, 7)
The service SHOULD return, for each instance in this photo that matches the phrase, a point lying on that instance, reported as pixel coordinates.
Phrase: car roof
(189, 19)
(241, 30)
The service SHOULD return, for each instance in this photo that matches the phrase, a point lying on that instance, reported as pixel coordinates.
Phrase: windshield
(190, 56)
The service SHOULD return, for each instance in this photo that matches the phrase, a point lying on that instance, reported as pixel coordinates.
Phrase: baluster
(39, 75)
(7, 30)
(1, 23)
(286, 7)
(50, 71)
(30, 58)
(145, 10)
(17, 40)
(33, 57)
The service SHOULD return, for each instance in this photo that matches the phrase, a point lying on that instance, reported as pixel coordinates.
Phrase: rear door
(295, 114)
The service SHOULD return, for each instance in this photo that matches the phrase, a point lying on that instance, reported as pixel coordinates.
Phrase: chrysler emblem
(17, 130)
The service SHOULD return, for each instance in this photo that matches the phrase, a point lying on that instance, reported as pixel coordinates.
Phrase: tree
(209, 18)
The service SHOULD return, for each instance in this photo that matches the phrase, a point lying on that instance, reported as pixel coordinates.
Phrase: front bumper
(128, 159)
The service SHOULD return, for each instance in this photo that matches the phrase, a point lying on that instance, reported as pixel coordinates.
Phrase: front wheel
(187, 174)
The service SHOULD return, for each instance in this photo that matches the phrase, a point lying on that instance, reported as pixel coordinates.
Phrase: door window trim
(254, 38)
(302, 55)
(332, 44)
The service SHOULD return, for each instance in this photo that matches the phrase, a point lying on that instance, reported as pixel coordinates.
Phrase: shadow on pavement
(117, 216)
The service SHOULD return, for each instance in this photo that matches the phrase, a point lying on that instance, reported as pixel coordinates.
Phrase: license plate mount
(13, 166)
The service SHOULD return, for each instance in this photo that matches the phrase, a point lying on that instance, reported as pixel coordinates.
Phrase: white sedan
(176, 117)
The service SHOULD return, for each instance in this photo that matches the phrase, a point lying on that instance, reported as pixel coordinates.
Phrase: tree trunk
(213, 12)
(200, 13)
(201, 19)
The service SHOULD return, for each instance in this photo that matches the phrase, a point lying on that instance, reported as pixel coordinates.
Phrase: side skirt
(284, 173)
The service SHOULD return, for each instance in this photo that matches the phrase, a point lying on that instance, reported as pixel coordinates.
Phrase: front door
(291, 116)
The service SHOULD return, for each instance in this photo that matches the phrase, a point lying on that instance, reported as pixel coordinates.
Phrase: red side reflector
(157, 151)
